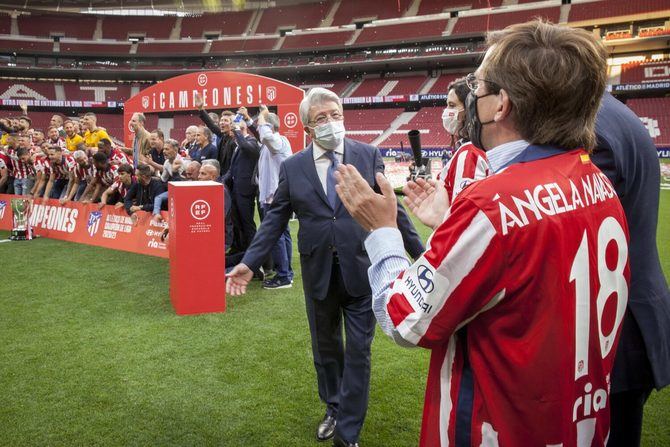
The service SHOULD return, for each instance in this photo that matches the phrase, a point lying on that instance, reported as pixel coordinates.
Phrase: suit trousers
(243, 220)
(343, 371)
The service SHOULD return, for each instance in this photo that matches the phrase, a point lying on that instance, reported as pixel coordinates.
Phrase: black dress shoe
(326, 428)
(339, 442)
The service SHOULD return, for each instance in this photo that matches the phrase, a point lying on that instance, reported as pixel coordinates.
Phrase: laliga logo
(200, 210)
(290, 120)
(145, 102)
(425, 277)
(3, 205)
(271, 93)
(202, 80)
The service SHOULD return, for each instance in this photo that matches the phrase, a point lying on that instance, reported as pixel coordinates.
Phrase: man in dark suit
(333, 261)
(627, 155)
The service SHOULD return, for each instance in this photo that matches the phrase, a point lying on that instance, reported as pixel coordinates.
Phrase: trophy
(21, 230)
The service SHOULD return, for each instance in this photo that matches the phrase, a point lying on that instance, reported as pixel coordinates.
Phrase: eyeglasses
(473, 83)
(325, 117)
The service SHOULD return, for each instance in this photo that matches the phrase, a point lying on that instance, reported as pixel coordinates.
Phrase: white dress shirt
(322, 162)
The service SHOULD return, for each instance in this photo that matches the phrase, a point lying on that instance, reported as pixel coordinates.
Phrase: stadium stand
(174, 47)
(443, 82)
(120, 28)
(429, 123)
(46, 25)
(25, 45)
(337, 86)
(230, 46)
(87, 48)
(488, 22)
(351, 11)
(302, 16)
(27, 90)
(637, 72)
(96, 92)
(614, 8)
(322, 40)
(225, 24)
(655, 114)
(410, 32)
(5, 24)
(366, 125)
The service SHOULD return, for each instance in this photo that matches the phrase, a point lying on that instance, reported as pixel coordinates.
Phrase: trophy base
(19, 235)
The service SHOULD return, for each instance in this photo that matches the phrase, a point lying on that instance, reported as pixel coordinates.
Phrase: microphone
(419, 170)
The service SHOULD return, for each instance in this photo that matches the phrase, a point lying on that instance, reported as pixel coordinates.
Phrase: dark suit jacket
(225, 145)
(627, 155)
(142, 195)
(240, 176)
(323, 230)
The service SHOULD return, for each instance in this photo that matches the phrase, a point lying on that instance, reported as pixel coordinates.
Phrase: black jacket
(142, 195)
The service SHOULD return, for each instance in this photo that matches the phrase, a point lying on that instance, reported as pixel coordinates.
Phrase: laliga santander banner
(221, 90)
(88, 224)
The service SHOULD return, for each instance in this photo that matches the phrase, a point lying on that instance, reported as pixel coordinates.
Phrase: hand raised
(427, 200)
(369, 209)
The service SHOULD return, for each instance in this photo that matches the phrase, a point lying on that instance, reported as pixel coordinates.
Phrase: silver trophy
(21, 230)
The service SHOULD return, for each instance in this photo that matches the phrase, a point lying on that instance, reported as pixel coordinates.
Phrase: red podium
(197, 248)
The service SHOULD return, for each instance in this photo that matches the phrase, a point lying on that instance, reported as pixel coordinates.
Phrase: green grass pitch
(91, 353)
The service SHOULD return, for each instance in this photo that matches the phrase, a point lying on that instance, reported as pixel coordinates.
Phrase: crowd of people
(539, 294)
(77, 160)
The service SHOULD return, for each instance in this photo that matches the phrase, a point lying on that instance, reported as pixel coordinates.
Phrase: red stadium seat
(120, 27)
(351, 10)
(80, 26)
(614, 8)
(488, 22)
(655, 114)
(307, 15)
(403, 32)
(320, 40)
(226, 24)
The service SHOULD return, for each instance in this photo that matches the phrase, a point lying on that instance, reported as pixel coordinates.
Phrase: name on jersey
(550, 199)
(54, 218)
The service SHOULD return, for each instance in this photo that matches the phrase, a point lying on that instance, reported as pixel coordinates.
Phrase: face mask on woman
(450, 119)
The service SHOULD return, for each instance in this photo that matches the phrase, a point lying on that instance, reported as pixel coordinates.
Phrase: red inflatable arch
(221, 90)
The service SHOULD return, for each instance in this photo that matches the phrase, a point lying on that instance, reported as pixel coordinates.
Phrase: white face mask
(450, 119)
(329, 135)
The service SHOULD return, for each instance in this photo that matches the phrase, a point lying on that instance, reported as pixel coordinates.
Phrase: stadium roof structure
(145, 7)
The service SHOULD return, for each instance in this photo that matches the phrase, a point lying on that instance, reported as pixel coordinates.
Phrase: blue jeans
(22, 186)
(282, 250)
(158, 202)
(80, 190)
(57, 188)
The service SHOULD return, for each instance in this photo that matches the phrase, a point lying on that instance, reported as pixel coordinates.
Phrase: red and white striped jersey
(117, 157)
(467, 165)
(120, 187)
(4, 161)
(107, 177)
(62, 170)
(520, 296)
(20, 169)
(84, 174)
(42, 165)
(60, 142)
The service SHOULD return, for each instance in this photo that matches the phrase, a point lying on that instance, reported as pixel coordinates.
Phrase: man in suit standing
(333, 261)
(627, 156)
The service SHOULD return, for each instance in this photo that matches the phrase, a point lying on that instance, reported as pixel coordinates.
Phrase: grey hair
(317, 95)
(192, 128)
(273, 120)
(212, 162)
(79, 154)
(172, 142)
(207, 132)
